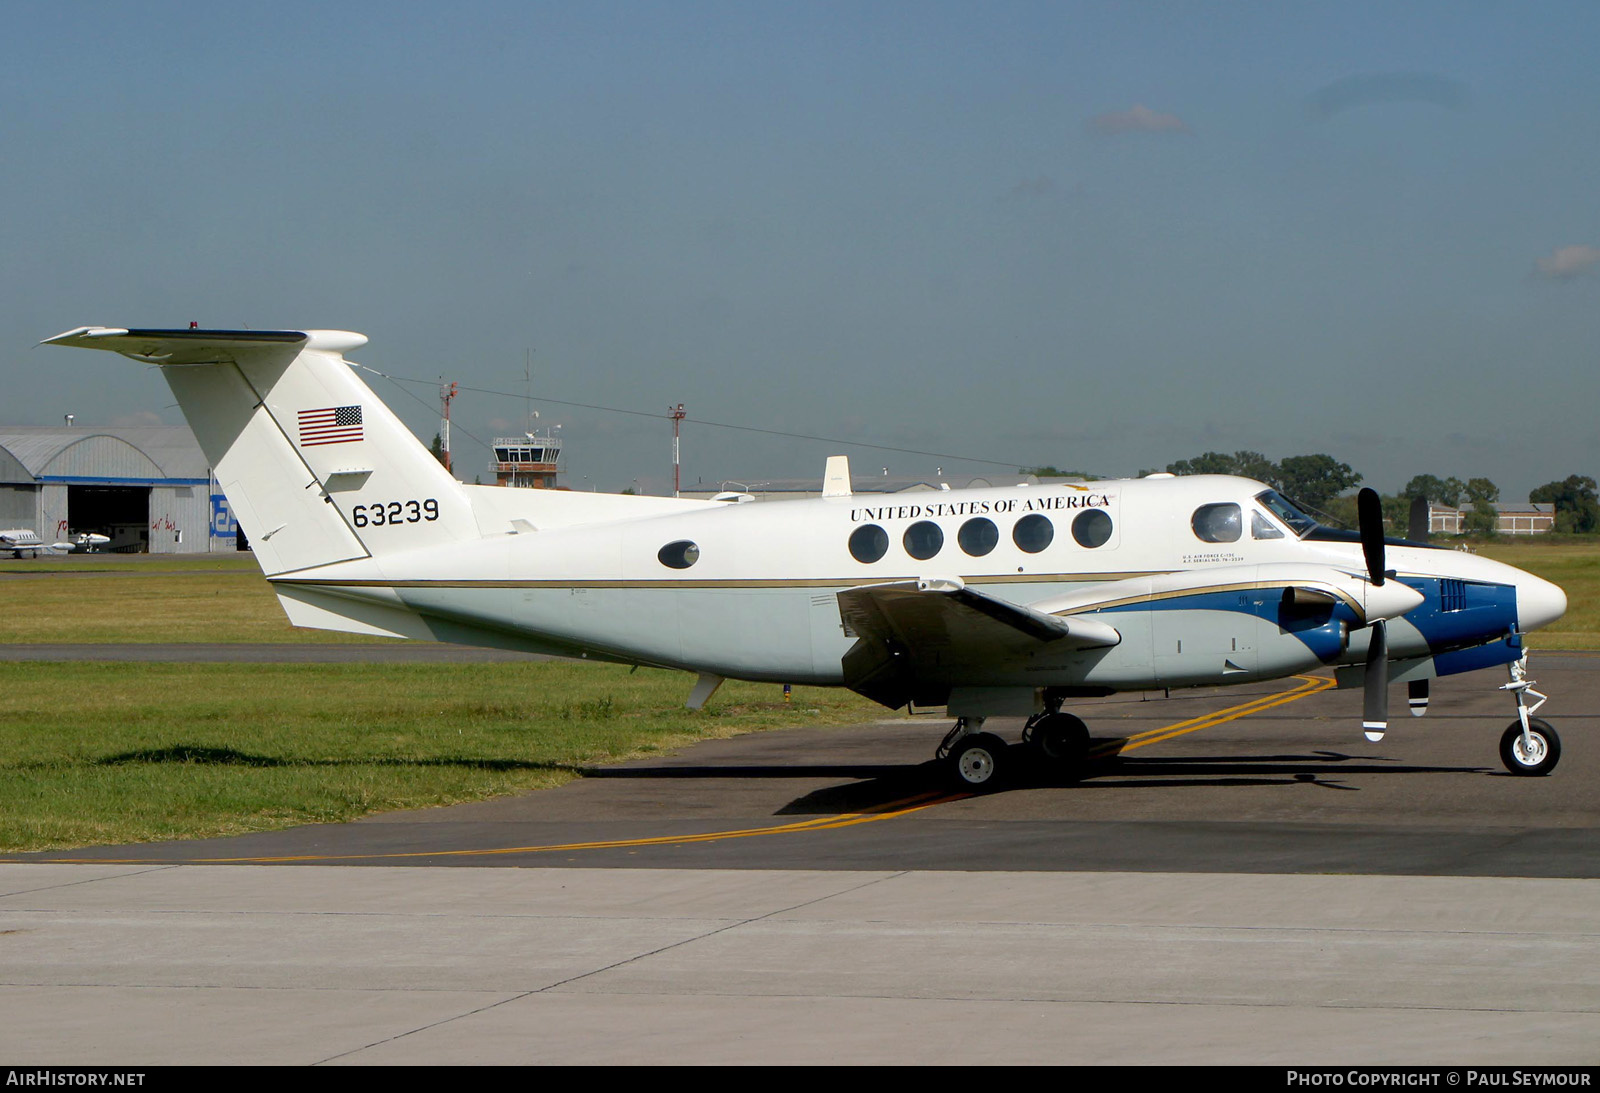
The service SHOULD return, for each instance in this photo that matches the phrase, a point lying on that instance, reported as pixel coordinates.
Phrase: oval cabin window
(868, 543)
(1092, 528)
(923, 540)
(978, 536)
(1220, 523)
(679, 555)
(1033, 533)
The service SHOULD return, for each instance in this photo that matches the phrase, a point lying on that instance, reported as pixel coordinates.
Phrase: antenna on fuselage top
(836, 477)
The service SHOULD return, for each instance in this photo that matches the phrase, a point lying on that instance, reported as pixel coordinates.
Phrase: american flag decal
(330, 425)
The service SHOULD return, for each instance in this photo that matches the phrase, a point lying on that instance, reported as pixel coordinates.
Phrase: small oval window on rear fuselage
(679, 555)
(1219, 523)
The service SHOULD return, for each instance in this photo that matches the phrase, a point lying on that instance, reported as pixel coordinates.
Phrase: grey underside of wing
(962, 618)
(906, 632)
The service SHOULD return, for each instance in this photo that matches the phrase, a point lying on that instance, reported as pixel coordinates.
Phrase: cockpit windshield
(1281, 507)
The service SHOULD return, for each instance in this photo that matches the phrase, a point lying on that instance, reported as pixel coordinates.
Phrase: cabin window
(679, 555)
(1220, 523)
(1281, 507)
(978, 536)
(868, 543)
(1092, 528)
(1033, 533)
(923, 539)
(1262, 528)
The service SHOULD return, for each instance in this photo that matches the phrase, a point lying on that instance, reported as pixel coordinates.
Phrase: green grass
(119, 598)
(1571, 561)
(115, 753)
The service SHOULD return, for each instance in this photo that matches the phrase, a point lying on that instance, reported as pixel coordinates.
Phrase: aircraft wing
(912, 629)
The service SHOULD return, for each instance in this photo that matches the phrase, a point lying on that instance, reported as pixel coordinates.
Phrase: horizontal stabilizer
(157, 346)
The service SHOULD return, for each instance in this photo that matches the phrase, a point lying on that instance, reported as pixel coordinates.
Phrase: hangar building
(149, 488)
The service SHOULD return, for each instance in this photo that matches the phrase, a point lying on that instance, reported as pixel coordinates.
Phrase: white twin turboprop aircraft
(991, 602)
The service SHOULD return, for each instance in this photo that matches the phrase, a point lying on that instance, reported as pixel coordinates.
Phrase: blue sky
(1104, 236)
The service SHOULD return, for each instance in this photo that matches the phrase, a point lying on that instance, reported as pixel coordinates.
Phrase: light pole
(677, 416)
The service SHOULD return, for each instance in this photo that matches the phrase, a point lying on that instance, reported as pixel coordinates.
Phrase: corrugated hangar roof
(91, 451)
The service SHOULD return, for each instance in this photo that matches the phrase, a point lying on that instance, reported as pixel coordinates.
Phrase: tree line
(1320, 484)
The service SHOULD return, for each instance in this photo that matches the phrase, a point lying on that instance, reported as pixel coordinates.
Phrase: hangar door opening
(121, 512)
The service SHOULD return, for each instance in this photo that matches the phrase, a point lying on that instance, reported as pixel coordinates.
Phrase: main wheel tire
(1538, 755)
(977, 762)
(1060, 739)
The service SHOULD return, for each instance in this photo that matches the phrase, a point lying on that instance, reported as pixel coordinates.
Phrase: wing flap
(947, 614)
(911, 630)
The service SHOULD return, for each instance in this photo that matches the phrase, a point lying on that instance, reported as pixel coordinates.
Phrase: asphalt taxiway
(1246, 880)
(1266, 778)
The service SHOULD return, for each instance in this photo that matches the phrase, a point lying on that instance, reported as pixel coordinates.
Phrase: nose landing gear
(1529, 746)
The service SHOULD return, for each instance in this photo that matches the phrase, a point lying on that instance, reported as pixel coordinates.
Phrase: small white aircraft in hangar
(990, 602)
(22, 541)
(85, 542)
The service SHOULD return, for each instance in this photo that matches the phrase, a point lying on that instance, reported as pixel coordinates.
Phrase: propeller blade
(1418, 694)
(1369, 512)
(1375, 712)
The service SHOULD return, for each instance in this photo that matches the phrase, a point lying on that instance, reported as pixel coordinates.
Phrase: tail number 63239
(394, 512)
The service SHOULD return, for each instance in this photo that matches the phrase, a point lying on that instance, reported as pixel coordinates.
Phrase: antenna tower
(447, 394)
(677, 415)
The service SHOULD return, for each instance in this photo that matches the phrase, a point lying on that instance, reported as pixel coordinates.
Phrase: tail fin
(315, 467)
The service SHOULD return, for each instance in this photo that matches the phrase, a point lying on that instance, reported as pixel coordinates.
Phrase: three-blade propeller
(1375, 705)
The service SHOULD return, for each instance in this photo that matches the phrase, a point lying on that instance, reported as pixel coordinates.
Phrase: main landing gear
(1529, 745)
(1055, 743)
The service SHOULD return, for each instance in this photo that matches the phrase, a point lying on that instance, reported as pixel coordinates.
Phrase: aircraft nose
(1539, 603)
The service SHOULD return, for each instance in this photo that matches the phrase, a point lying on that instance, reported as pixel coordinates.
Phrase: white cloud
(1137, 119)
(1570, 261)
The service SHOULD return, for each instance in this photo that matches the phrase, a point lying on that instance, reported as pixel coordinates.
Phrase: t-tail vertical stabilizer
(316, 468)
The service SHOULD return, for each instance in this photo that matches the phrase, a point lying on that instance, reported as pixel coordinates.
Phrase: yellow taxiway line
(890, 810)
(1311, 685)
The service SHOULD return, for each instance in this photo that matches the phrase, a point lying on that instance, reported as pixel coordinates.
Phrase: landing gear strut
(976, 760)
(1529, 745)
(979, 761)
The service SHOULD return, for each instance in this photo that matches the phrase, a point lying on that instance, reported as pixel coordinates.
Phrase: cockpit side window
(1219, 523)
(1262, 528)
(1284, 509)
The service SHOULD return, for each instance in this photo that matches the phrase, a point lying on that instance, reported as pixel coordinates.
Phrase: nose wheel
(1533, 751)
(1529, 746)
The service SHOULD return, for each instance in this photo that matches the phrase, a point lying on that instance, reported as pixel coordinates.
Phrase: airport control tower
(530, 460)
